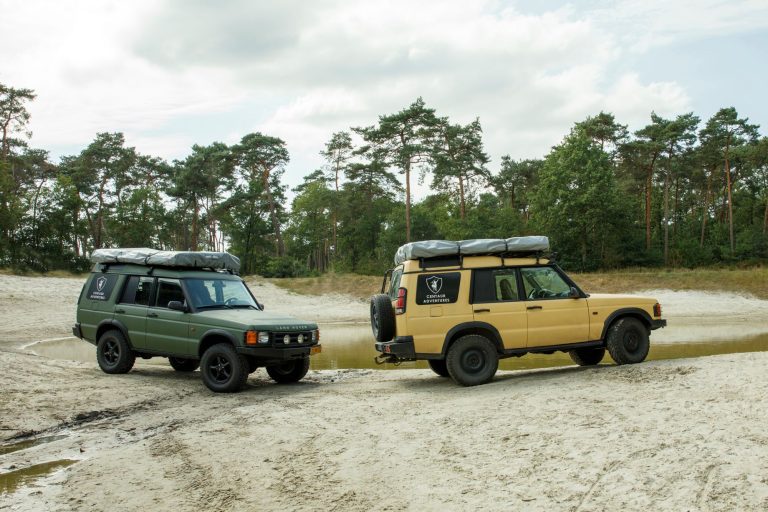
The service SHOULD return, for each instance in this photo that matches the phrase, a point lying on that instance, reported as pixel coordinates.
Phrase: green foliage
(664, 196)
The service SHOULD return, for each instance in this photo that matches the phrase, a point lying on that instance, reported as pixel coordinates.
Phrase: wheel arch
(213, 337)
(111, 324)
(617, 315)
(480, 328)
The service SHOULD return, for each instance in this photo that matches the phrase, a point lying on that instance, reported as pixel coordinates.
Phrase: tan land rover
(462, 306)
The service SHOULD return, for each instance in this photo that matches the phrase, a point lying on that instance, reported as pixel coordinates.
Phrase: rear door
(496, 301)
(131, 308)
(168, 329)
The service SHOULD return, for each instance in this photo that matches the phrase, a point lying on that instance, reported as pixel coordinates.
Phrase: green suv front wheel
(113, 353)
(223, 369)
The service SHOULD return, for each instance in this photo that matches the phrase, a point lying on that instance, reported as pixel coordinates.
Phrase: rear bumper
(658, 324)
(401, 347)
(76, 331)
(278, 354)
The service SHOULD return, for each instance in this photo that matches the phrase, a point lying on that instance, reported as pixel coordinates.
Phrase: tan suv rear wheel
(472, 360)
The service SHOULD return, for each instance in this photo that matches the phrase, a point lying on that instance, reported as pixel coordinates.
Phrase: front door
(496, 301)
(168, 329)
(554, 318)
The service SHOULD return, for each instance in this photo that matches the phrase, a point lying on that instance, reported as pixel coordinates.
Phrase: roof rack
(429, 249)
(176, 259)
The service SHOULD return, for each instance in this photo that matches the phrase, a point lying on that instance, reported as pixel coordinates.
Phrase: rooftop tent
(153, 257)
(437, 248)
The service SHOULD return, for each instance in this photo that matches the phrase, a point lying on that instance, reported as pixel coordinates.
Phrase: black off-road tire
(587, 356)
(382, 317)
(628, 341)
(290, 371)
(184, 365)
(223, 369)
(113, 353)
(472, 360)
(439, 366)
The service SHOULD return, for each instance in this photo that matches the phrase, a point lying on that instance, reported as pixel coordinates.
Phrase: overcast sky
(173, 73)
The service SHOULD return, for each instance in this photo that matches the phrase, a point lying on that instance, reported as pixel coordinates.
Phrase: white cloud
(321, 66)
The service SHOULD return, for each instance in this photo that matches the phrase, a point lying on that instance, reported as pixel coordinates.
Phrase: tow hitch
(387, 358)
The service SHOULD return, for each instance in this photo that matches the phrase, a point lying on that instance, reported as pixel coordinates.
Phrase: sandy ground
(667, 435)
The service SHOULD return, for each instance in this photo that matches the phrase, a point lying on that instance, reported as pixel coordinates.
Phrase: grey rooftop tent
(485, 246)
(150, 257)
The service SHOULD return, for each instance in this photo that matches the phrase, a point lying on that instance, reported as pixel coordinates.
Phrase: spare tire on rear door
(382, 317)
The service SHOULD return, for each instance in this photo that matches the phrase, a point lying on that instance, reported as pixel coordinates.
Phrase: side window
(495, 285)
(168, 290)
(137, 290)
(394, 283)
(544, 283)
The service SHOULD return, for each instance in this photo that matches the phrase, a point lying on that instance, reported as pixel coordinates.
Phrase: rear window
(438, 288)
(101, 287)
(394, 283)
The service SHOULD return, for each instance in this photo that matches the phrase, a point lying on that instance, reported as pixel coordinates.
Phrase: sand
(686, 434)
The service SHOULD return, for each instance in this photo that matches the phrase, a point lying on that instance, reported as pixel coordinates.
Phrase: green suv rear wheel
(114, 354)
(223, 369)
(183, 365)
(291, 371)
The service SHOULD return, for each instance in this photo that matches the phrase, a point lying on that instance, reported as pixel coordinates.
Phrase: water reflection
(351, 346)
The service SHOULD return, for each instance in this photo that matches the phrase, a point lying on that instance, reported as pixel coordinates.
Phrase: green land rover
(192, 308)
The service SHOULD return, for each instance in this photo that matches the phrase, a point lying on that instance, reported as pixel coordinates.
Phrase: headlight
(263, 337)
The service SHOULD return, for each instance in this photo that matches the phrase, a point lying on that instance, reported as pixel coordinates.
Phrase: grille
(278, 338)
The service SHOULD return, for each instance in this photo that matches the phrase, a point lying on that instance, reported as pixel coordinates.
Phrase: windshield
(219, 293)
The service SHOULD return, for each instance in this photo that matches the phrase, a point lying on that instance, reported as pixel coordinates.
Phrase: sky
(173, 73)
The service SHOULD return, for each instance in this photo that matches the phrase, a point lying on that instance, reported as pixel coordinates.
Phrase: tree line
(677, 192)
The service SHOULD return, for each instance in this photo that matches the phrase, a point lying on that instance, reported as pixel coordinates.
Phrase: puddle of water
(351, 346)
(12, 480)
(29, 443)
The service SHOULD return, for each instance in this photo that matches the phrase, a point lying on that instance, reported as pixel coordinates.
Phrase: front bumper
(658, 324)
(401, 347)
(279, 354)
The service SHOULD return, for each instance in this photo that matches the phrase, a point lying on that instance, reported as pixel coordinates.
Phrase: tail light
(657, 310)
(402, 294)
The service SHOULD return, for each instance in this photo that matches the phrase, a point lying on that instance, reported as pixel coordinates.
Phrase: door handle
(120, 311)
(534, 307)
(152, 315)
(482, 311)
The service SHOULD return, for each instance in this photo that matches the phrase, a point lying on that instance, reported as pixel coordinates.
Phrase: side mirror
(177, 306)
(261, 306)
(574, 293)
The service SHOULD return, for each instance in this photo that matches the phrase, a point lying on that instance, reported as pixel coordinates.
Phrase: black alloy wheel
(223, 369)
(113, 353)
(181, 364)
(290, 371)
